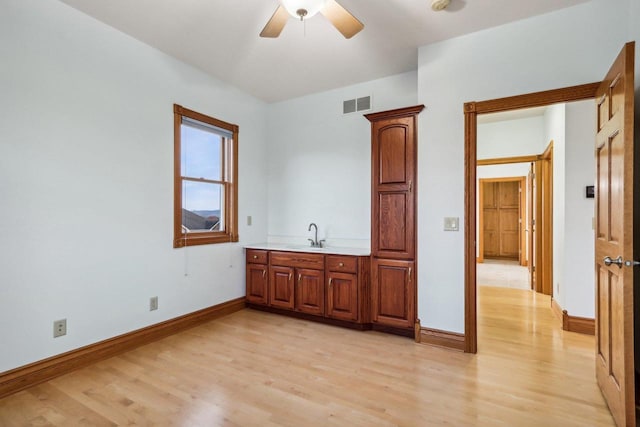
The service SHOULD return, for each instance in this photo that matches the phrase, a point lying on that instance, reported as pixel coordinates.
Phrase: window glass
(202, 206)
(201, 153)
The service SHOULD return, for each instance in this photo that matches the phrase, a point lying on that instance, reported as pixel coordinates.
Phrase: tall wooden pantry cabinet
(393, 219)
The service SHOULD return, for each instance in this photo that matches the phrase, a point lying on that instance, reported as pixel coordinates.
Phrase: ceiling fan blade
(276, 23)
(344, 22)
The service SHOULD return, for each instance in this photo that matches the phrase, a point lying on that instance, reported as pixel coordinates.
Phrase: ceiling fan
(344, 21)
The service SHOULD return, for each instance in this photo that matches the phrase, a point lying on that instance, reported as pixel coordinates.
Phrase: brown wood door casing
(471, 111)
(309, 292)
(531, 225)
(281, 287)
(615, 202)
(545, 226)
(393, 292)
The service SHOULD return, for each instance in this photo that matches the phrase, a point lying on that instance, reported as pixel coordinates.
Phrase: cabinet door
(393, 190)
(342, 296)
(281, 287)
(393, 225)
(257, 284)
(393, 292)
(310, 291)
(393, 153)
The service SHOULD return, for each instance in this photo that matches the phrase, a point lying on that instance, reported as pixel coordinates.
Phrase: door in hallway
(501, 218)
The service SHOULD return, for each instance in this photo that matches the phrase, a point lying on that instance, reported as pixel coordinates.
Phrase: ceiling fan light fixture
(303, 9)
(438, 5)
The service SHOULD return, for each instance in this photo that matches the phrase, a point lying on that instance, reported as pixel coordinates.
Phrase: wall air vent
(359, 104)
(349, 106)
(363, 103)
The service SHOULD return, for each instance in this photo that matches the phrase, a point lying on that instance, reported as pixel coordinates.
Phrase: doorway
(472, 110)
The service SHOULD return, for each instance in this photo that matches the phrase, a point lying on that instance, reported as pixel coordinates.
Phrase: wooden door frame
(544, 280)
(521, 180)
(530, 226)
(471, 111)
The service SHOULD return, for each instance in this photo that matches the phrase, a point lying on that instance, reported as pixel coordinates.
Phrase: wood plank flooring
(258, 369)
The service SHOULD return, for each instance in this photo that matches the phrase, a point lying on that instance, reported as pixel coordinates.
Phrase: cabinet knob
(255, 257)
(330, 281)
(341, 264)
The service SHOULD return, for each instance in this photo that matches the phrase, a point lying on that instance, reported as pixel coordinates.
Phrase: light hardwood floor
(257, 369)
(502, 273)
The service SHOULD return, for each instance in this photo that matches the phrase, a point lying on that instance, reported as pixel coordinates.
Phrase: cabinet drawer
(298, 259)
(256, 256)
(346, 264)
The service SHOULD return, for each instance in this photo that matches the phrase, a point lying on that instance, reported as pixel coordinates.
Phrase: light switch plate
(451, 223)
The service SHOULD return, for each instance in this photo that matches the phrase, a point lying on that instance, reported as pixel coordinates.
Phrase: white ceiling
(221, 38)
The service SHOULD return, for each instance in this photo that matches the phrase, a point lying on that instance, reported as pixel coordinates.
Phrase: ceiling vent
(358, 104)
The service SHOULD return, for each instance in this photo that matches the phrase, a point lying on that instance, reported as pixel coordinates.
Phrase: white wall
(571, 46)
(554, 120)
(510, 138)
(86, 177)
(320, 162)
(578, 280)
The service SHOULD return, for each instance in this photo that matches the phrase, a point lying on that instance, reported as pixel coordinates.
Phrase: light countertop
(331, 250)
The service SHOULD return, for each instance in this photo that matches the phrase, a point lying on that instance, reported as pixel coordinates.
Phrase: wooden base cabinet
(317, 286)
(393, 291)
(257, 277)
(344, 299)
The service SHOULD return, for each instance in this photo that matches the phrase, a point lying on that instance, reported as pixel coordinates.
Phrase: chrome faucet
(314, 241)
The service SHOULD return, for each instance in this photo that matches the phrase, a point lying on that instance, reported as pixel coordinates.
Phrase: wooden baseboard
(44, 370)
(445, 339)
(581, 325)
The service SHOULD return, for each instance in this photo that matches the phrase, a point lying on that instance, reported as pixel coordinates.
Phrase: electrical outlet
(153, 303)
(59, 328)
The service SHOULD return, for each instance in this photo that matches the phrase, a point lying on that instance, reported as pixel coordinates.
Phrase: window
(206, 177)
